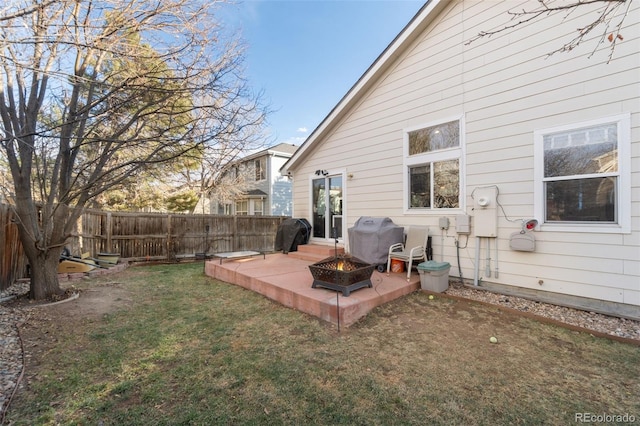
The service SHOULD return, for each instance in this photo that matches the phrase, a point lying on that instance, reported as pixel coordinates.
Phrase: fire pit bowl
(342, 273)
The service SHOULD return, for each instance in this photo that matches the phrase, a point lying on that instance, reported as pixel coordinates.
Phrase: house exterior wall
(278, 201)
(504, 89)
(281, 193)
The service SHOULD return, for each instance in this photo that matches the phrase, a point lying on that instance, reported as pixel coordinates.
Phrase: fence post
(169, 241)
(234, 238)
(108, 225)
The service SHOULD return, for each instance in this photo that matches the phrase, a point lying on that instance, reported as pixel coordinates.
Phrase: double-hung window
(260, 166)
(242, 207)
(582, 176)
(433, 156)
(258, 207)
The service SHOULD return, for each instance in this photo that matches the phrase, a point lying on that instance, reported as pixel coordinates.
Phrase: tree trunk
(44, 275)
(42, 241)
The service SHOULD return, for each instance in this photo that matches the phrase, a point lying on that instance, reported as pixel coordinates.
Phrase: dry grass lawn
(168, 345)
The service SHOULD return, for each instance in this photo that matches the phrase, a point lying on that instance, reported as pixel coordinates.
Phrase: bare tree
(95, 92)
(609, 17)
(220, 176)
(231, 184)
(211, 171)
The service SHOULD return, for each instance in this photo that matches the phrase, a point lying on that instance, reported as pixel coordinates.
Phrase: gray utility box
(434, 276)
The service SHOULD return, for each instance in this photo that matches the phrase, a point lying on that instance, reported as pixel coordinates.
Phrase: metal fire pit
(344, 274)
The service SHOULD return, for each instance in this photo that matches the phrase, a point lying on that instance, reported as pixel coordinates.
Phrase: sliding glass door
(327, 207)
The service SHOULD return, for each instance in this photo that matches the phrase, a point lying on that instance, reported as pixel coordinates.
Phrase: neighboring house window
(261, 168)
(242, 207)
(582, 177)
(228, 209)
(433, 156)
(258, 207)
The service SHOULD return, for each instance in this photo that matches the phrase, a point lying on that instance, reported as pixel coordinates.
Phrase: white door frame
(327, 174)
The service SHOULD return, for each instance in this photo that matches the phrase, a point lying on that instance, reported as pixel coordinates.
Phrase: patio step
(315, 252)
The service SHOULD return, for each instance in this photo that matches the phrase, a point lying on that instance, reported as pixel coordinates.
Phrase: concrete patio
(286, 279)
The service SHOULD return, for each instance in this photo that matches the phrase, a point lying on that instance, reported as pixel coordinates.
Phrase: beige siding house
(495, 132)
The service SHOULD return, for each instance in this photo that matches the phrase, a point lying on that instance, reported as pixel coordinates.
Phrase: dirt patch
(98, 298)
(94, 302)
(46, 323)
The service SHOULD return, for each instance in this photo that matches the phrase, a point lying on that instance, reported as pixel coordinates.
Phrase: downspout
(269, 200)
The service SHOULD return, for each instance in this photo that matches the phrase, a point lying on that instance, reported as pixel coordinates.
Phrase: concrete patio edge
(287, 280)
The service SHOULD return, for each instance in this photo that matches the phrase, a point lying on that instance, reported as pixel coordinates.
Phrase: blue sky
(306, 54)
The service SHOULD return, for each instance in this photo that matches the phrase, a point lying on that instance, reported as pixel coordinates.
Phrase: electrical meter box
(463, 224)
(485, 211)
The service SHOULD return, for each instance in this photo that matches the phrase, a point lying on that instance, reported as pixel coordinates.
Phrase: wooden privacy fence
(140, 236)
(146, 236)
(13, 262)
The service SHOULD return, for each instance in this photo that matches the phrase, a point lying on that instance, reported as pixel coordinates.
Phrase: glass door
(327, 207)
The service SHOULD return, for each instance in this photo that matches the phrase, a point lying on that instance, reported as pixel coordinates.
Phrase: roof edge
(273, 150)
(406, 36)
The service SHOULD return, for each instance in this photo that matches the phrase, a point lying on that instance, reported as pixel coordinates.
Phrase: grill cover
(291, 233)
(371, 237)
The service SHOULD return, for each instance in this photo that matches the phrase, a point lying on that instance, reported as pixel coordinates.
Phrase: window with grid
(258, 207)
(261, 168)
(581, 174)
(432, 166)
(242, 207)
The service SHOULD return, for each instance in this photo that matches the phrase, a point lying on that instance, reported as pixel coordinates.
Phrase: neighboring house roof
(252, 193)
(386, 59)
(281, 149)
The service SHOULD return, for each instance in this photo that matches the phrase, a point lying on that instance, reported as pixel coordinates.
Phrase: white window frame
(330, 173)
(623, 196)
(457, 153)
(257, 206)
(260, 168)
(242, 207)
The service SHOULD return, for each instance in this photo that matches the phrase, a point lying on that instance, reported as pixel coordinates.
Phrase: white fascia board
(412, 30)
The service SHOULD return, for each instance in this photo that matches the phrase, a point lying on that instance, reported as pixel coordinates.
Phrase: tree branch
(604, 15)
